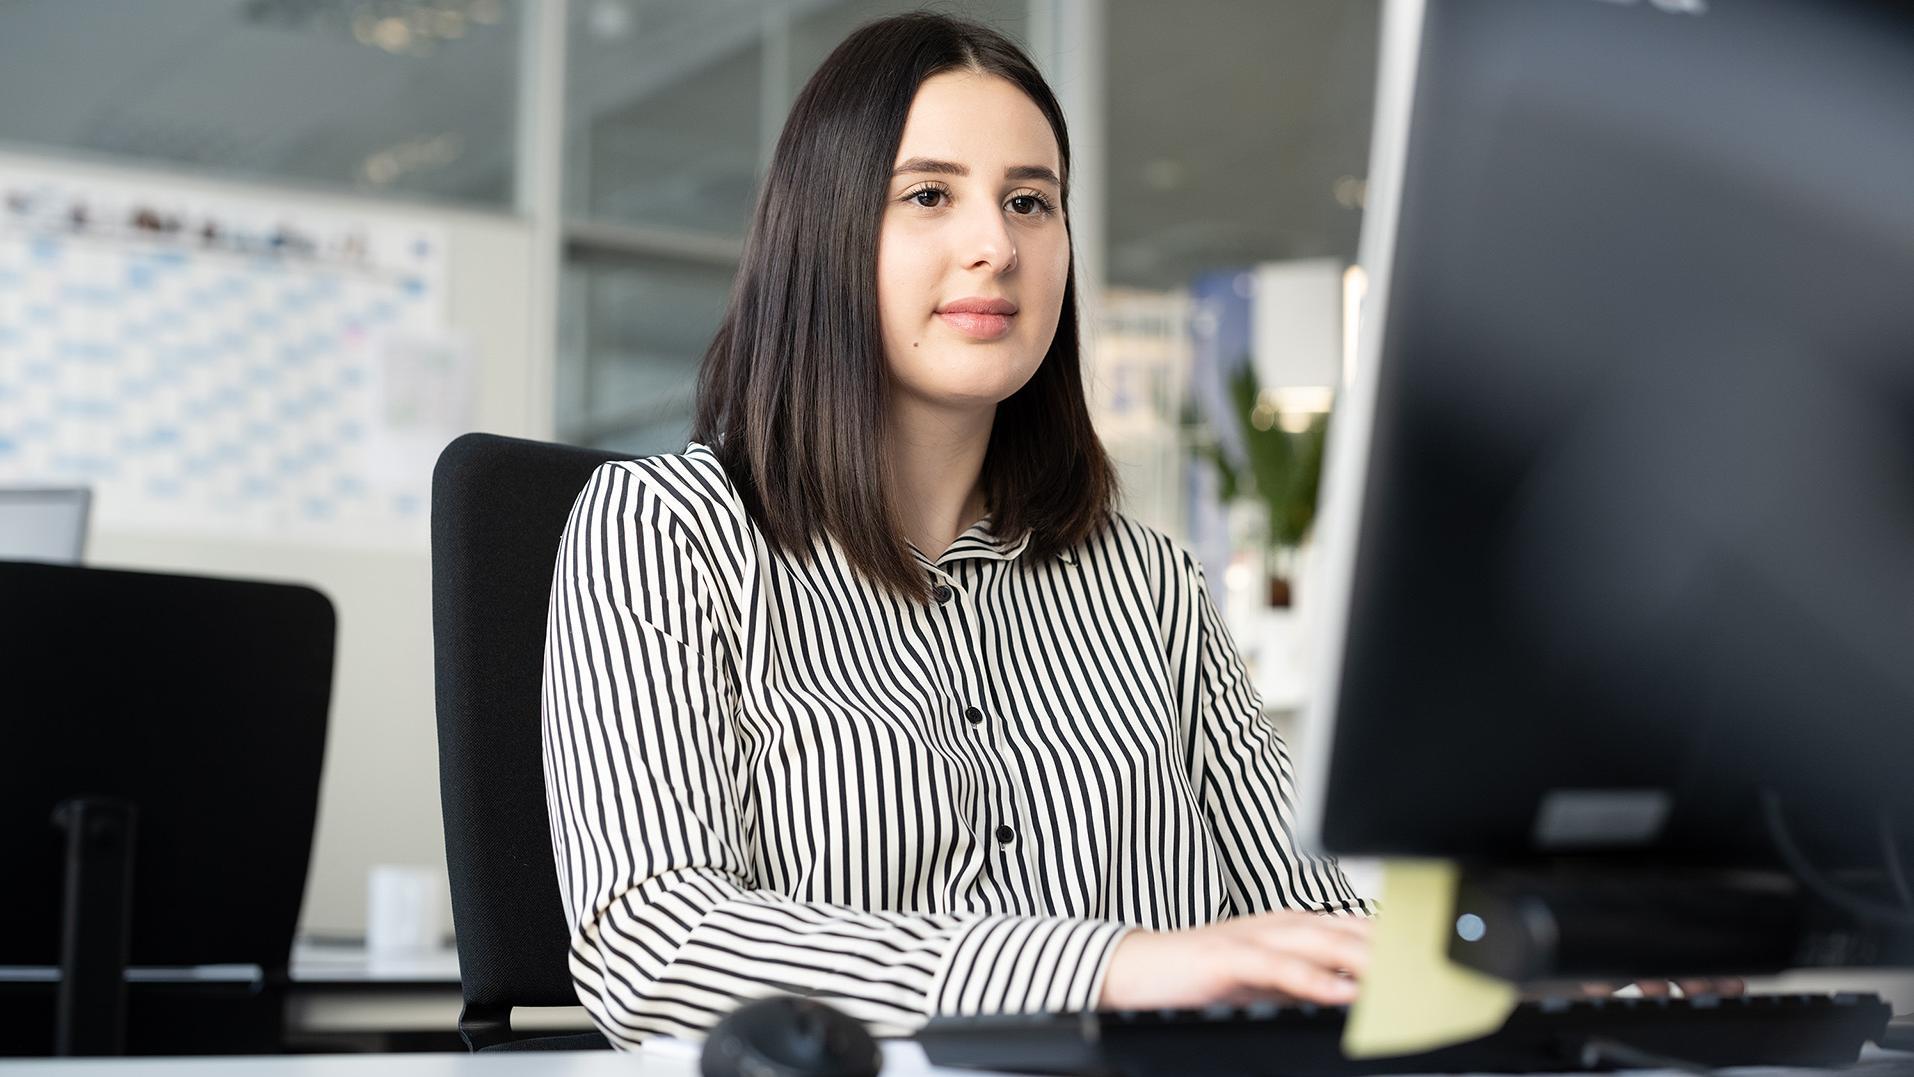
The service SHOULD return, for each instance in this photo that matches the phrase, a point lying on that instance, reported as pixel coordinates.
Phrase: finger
(1327, 949)
(1290, 975)
(1247, 996)
(1730, 985)
(1653, 988)
(1598, 990)
(1692, 987)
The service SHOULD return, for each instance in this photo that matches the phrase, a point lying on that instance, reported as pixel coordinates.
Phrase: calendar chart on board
(220, 365)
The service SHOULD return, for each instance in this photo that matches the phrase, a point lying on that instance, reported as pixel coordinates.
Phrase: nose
(987, 239)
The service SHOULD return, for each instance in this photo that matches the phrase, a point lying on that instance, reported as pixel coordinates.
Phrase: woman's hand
(1303, 956)
(1724, 985)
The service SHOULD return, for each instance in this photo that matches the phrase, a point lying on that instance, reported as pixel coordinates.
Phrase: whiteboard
(223, 363)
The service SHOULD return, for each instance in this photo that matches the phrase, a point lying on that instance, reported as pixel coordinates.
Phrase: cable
(1865, 908)
(1600, 1049)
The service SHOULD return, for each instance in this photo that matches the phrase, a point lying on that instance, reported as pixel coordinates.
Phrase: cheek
(1056, 263)
(1044, 285)
(905, 286)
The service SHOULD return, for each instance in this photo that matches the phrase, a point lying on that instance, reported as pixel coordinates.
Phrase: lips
(979, 326)
(978, 317)
(978, 304)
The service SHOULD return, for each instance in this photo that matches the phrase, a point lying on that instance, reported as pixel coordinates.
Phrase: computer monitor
(43, 524)
(202, 704)
(1617, 542)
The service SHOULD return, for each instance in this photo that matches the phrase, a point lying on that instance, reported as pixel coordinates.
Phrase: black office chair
(176, 726)
(499, 506)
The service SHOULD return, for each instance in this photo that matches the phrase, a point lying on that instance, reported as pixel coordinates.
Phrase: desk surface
(901, 1059)
(672, 1059)
(312, 963)
(322, 963)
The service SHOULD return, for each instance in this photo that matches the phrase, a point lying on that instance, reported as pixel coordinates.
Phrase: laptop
(44, 524)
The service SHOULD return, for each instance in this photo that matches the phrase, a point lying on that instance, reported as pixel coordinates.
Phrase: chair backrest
(201, 701)
(499, 507)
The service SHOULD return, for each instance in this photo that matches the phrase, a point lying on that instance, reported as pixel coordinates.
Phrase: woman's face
(974, 212)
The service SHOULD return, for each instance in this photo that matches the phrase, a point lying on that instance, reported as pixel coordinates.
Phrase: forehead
(977, 119)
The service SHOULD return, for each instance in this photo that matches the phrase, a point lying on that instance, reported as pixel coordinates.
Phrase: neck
(936, 470)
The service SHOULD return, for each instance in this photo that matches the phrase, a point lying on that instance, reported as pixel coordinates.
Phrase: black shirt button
(1005, 834)
(943, 593)
(976, 716)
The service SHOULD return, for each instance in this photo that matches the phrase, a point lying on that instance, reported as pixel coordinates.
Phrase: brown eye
(1037, 205)
(932, 191)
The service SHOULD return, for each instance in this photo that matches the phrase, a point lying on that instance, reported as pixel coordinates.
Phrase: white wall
(379, 799)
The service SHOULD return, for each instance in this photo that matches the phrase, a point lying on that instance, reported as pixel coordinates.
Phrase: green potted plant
(1283, 475)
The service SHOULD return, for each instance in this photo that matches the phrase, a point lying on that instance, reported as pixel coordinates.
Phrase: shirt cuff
(1025, 964)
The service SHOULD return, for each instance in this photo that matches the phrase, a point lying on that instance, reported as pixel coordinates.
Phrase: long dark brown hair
(792, 392)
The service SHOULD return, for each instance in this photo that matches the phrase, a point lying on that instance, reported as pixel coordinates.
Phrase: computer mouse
(789, 1036)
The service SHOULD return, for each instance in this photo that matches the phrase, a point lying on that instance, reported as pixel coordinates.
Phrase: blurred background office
(261, 259)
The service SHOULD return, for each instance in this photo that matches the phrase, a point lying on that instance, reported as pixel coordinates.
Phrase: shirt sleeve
(643, 776)
(1243, 775)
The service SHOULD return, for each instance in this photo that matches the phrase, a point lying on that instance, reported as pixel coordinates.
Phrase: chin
(967, 398)
(982, 390)
(965, 382)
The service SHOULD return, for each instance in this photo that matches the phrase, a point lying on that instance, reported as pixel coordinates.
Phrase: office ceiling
(1230, 122)
(266, 88)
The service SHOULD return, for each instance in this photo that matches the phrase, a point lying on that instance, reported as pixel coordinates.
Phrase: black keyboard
(1271, 1040)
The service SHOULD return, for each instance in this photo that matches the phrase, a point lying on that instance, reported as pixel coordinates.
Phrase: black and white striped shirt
(766, 776)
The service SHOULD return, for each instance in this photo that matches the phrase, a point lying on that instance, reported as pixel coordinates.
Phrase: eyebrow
(952, 168)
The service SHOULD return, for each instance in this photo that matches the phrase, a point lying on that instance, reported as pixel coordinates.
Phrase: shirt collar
(979, 542)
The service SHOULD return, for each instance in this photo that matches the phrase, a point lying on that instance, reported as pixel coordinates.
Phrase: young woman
(869, 694)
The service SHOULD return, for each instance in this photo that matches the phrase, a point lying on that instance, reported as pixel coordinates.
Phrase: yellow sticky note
(1413, 997)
